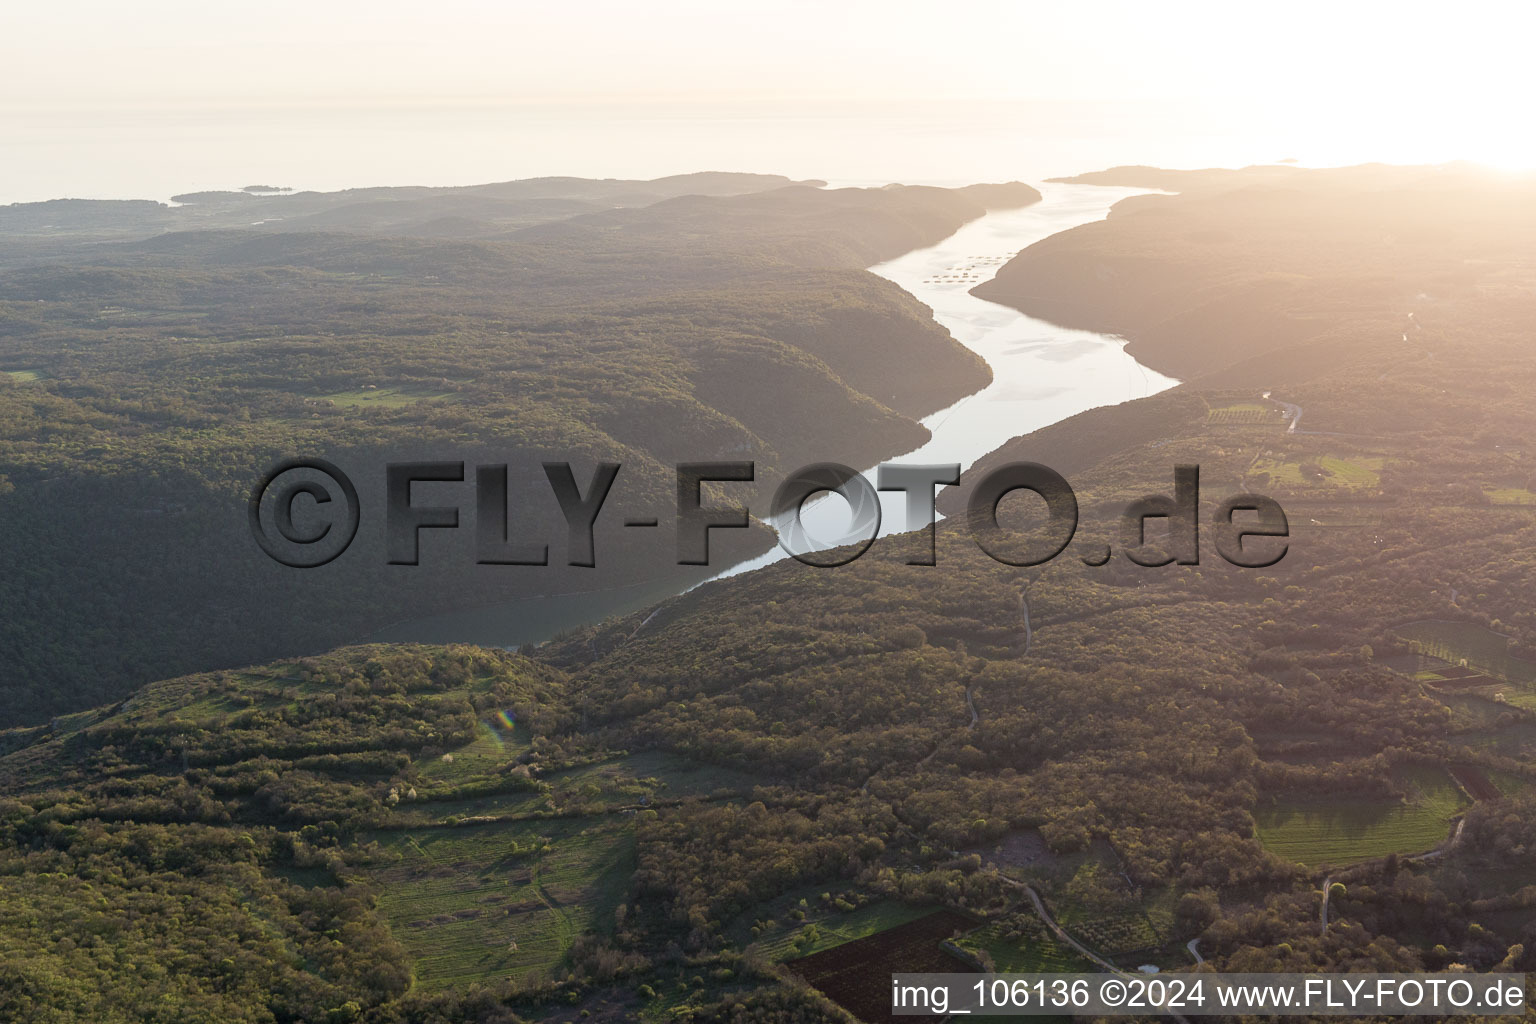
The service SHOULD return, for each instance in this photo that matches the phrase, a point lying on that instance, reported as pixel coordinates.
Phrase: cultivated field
(1135, 927)
(481, 902)
(857, 975)
(1245, 414)
(825, 928)
(1345, 831)
(1353, 473)
(1027, 951)
(387, 397)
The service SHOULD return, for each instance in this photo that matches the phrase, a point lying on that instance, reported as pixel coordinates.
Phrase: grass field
(1357, 473)
(25, 376)
(1470, 713)
(648, 777)
(1510, 496)
(1520, 698)
(511, 804)
(192, 698)
(645, 778)
(1023, 955)
(1340, 832)
(476, 903)
(491, 747)
(387, 398)
(830, 928)
(1508, 783)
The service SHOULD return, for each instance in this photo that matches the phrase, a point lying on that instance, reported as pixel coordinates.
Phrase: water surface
(1042, 374)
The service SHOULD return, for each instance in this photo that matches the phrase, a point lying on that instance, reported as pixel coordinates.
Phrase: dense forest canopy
(668, 815)
(1247, 263)
(149, 382)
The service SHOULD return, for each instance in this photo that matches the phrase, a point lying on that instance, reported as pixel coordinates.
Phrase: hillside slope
(150, 383)
(1242, 264)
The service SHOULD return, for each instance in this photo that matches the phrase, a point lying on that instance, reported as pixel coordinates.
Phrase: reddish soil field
(1476, 782)
(1463, 682)
(857, 974)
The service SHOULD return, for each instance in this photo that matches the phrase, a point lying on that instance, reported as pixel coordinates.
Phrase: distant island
(464, 211)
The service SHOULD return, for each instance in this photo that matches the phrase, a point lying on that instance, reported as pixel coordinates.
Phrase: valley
(705, 807)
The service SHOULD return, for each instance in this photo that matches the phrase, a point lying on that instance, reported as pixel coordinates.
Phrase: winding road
(1064, 936)
(1292, 412)
(1029, 634)
(970, 697)
(1446, 847)
(644, 622)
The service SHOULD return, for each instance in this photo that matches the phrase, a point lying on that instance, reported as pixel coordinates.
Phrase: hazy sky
(192, 51)
(117, 99)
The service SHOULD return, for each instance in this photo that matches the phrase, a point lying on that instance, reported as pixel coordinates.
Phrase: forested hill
(1333, 715)
(1390, 306)
(1243, 263)
(459, 212)
(149, 383)
(847, 226)
(664, 815)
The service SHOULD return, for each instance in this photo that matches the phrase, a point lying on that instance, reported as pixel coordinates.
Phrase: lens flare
(491, 733)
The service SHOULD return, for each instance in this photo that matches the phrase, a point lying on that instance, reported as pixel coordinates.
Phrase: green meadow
(1356, 473)
(387, 397)
(826, 927)
(1024, 954)
(505, 900)
(1340, 832)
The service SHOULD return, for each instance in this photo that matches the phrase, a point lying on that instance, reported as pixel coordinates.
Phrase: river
(1042, 374)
